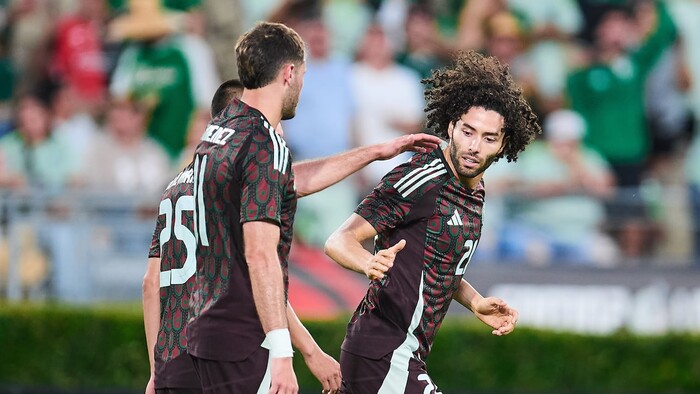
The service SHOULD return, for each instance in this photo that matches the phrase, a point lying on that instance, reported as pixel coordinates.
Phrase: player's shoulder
(429, 163)
(422, 171)
(182, 183)
(241, 116)
(239, 122)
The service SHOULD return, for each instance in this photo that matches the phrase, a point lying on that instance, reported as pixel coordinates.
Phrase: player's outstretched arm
(324, 367)
(151, 312)
(493, 311)
(314, 175)
(344, 246)
(260, 239)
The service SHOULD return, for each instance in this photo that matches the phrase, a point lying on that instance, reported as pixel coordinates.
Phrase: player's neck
(267, 100)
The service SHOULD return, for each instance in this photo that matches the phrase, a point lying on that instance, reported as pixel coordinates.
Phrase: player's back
(242, 173)
(174, 243)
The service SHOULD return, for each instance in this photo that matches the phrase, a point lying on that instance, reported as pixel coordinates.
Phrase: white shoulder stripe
(419, 177)
(413, 173)
(281, 152)
(276, 153)
(423, 181)
(284, 153)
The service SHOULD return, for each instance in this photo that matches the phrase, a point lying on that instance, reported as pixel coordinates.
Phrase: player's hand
(150, 387)
(412, 142)
(325, 369)
(283, 379)
(497, 314)
(380, 263)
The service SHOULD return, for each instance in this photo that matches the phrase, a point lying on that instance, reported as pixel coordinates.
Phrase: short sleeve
(265, 173)
(154, 250)
(391, 201)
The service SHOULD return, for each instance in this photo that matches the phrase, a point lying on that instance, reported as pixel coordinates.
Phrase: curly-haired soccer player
(426, 216)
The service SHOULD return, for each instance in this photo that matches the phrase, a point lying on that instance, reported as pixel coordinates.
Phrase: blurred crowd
(113, 95)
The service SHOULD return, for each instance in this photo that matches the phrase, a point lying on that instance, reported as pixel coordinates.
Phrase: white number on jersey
(469, 248)
(430, 386)
(200, 223)
(177, 276)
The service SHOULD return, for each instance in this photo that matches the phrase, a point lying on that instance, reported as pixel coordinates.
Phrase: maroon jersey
(423, 202)
(174, 243)
(242, 173)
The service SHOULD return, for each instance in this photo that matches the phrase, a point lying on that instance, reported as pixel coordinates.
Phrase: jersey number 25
(178, 276)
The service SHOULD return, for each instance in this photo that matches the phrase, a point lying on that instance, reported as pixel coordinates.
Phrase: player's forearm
(301, 338)
(314, 175)
(268, 291)
(260, 239)
(151, 306)
(467, 295)
(344, 248)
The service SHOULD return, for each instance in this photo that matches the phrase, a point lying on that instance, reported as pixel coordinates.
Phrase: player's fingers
(423, 146)
(428, 143)
(387, 253)
(398, 246)
(423, 137)
(374, 274)
(496, 302)
(331, 384)
(336, 383)
(514, 315)
(504, 331)
(507, 327)
(383, 262)
(381, 268)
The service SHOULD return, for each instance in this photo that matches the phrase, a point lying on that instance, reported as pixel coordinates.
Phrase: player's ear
(288, 72)
(450, 129)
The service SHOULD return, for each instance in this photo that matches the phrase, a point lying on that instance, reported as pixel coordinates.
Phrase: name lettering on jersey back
(217, 134)
(186, 176)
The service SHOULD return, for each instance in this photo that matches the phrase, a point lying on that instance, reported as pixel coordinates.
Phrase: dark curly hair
(474, 80)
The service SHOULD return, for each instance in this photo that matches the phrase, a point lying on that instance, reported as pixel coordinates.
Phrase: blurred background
(594, 230)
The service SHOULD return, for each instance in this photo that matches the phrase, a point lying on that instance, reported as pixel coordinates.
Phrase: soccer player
(169, 277)
(168, 284)
(244, 202)
(426, 216)
(166, 290)
(227, 91)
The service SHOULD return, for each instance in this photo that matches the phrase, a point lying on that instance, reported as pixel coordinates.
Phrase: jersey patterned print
(174, 243)
(422, 202)
(242, 173)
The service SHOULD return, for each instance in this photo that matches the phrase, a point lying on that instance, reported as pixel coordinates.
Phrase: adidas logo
(456, 220)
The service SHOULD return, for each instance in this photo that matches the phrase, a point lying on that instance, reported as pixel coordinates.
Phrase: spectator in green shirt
(172, 73)
(31, 156)
(609, 92)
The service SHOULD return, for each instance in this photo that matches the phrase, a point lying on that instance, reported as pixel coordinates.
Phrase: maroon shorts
(393, 373)
(178, 373)
(178, 391)
(246, 376)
